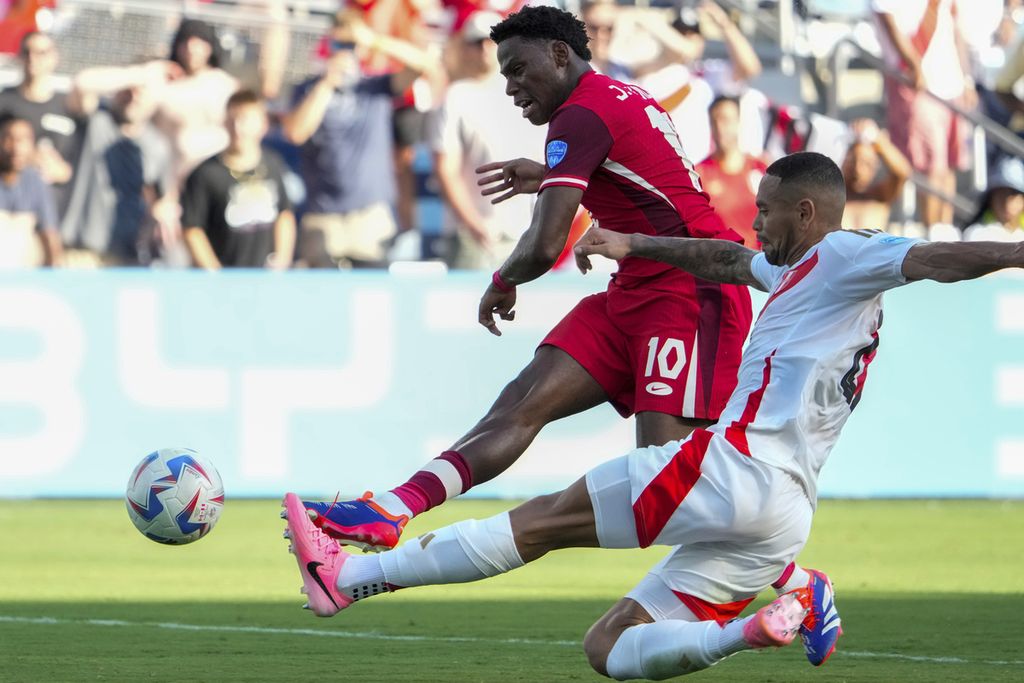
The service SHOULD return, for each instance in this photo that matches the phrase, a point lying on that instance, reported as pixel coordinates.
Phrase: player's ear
(560, 52)
(806, 211)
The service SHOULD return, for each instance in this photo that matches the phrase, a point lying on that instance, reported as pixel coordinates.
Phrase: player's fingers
(491, 166)
(508, 195)
(493, 178)
(507, 315)
(487, 320)
(494, 189)
(583, 263)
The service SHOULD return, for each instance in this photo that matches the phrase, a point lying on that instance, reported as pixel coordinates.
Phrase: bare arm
(449, 174)
(284, 241)
(541, 245)
(299, 124)
(53, 250)
(536, 252)
(904, 47)
(897, 165)
(956, 261)
(710, 259)
(414, 60)
(745, 62)
(92, 84)
(199, 247)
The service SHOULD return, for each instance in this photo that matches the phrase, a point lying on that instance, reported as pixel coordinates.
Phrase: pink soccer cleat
(775, 624)
(320, 560)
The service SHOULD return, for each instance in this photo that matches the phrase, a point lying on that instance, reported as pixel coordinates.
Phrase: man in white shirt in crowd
(474, 126)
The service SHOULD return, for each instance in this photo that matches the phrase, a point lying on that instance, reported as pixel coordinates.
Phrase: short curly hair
(544, 23)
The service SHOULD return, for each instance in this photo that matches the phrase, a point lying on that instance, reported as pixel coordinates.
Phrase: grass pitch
(928, 591)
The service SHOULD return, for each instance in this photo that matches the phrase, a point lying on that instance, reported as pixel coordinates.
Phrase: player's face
(17, 143)
(776, 222)
(535, 76)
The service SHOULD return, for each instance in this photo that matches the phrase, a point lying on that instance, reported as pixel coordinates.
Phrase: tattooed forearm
(716, 260)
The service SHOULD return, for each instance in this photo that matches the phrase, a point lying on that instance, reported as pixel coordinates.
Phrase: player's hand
(613, 245)
(496, 301)
(519, 176)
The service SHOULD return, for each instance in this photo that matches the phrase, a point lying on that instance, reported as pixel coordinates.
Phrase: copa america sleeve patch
(556, 151)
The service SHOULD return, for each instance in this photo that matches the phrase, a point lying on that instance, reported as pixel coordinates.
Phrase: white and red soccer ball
(175, 496)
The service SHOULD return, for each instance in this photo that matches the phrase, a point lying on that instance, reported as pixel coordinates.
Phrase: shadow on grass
(961, 637)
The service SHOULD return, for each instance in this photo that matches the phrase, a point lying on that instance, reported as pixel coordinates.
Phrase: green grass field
(928, 591)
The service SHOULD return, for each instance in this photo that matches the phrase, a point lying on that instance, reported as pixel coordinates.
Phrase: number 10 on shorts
(665, 359)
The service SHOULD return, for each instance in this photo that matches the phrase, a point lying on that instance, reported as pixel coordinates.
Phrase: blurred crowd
(182, 161)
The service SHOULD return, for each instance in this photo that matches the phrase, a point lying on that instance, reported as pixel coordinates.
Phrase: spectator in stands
(600, 17)
(869, 197)
(729, 176)
(1000, 215)
(685, 83)
(1009, 88)
(193, 102)
(28, 213)
(343, 120)
(920, 38)
(53, 115)
(123, 184)
(476, 125)
(235, 209)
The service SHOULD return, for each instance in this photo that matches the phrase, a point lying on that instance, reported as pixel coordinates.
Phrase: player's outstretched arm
(716, 260)
(956, 261)
(537, 250)
(518, 176)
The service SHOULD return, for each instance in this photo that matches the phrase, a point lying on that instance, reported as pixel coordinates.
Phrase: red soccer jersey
(733, 194)
(613, 141)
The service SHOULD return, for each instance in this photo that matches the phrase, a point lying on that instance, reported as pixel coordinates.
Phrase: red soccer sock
(442, 478)
(793, 577)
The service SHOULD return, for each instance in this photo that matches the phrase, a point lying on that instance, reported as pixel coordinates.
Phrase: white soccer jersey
(804, 367)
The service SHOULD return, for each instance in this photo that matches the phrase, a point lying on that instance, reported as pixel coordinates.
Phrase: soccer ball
(175, 496)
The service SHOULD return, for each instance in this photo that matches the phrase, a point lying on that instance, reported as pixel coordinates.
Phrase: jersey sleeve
(764, 272)
(876, 264)
(578, 143)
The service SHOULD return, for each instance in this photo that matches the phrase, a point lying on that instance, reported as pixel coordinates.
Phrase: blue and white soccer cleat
(360, 523)
(821, 628)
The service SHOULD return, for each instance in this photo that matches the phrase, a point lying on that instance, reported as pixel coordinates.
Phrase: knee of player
(597, 645)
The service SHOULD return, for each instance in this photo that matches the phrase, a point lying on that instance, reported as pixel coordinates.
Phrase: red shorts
(672, 346)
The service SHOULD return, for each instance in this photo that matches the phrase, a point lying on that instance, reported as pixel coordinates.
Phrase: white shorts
(736, 522)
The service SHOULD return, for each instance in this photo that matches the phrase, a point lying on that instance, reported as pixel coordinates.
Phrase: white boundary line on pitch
(370, 635)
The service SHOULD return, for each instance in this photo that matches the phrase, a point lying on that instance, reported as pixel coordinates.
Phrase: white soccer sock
(361, 577)
(393, 504)
(798, 579)
(673, 647)
(465, 551)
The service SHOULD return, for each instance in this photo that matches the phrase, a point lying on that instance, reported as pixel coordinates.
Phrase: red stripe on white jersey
(662, 496)
(736, 433)
(791, 279)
